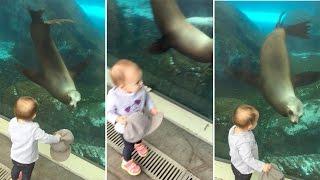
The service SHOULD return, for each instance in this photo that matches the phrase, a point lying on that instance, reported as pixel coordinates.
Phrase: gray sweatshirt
(244, 151)
(121, 103)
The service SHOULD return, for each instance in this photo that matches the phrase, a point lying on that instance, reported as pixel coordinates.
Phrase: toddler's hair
(118, 69)
(244, 115)
(25, 108)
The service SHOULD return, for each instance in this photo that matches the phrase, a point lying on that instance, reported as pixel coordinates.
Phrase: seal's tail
(299, 30)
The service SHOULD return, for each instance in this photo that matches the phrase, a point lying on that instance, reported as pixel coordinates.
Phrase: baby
(24, 135)
(242, 144)
(128, 96)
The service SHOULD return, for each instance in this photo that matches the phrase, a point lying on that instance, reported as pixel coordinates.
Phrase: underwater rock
(307, 165)
(5, 50)
(224, 108)
(202, 8)
(95, 153)
(93, 112)
(26, 88)
(237, 40)
(204, 24)
(308, 125)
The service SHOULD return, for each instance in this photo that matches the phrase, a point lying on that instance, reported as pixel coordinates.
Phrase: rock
(308, 125)
(224, 108)
(190, 8)
(204, 24)
(306, 165)
(95, 153)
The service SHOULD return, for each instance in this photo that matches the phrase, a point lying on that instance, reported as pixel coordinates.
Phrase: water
(131, 31)
(240, 30)
(74, 42)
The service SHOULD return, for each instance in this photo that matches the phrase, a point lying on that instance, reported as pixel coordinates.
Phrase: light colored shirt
(121, 103)
(244, 151)
(24, 137)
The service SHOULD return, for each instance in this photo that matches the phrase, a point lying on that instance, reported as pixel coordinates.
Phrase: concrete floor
(115, 172)
(44, 168)
(188, 150)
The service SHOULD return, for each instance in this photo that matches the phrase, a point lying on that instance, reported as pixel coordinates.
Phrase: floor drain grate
(157, 165)
(5, 173)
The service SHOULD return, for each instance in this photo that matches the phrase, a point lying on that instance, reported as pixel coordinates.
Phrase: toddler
(24, 135)
(128, 96)
(242, 144)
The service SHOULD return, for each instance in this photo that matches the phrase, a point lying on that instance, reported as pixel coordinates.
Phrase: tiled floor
(44, 169)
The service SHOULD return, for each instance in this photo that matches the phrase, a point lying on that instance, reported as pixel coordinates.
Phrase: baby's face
(133, 80)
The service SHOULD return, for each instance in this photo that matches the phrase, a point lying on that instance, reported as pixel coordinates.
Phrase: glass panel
(78, 42)
(241, 29)
(131, 32)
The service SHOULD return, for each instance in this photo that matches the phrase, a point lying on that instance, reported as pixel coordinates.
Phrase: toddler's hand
(266, 167)
(121, 120)
(58, 135)
(154, 111)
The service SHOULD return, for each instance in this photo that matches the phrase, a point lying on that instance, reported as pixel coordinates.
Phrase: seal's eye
(290, 112)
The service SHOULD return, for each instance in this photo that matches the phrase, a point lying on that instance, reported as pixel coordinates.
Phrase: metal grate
(5, 173)
(156, 164)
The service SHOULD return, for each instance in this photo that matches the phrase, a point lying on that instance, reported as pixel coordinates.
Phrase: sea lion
(178, 34)
(54, 75)
(275, 81)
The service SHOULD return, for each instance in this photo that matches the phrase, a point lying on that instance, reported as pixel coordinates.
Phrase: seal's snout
(75, 97)
(294, 120)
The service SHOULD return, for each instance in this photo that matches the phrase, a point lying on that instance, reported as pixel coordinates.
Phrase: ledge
(222, 170)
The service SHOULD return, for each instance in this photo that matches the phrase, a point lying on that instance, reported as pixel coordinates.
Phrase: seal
(54, 75)
(275, 81)
(177, 33)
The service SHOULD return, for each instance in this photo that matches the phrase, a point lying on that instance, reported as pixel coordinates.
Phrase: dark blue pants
(26, 170)
(238, 175)
(128, 149)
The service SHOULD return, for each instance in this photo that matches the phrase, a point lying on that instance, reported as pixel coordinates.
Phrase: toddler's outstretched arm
(42, 136)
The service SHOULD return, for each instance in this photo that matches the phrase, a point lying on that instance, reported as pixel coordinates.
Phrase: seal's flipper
(58, 21)
(246, 76)
(299, 30)
(32, 75)
(306, 78)
(77, 69)
(160, 46)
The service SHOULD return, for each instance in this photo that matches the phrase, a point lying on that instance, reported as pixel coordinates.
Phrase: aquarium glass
(75, 42)
(132, 30)
(241, 28)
